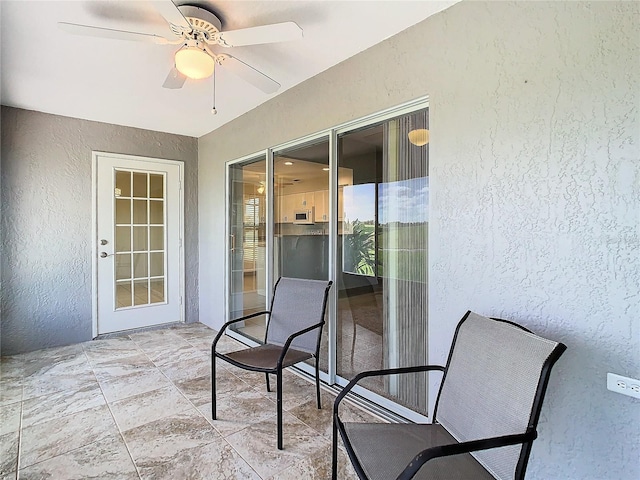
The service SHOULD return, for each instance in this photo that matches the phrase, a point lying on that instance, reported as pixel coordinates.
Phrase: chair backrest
(494, 383)
(297, 304)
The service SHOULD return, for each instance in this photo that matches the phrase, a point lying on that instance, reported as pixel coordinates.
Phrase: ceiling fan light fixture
(194, 63)
(419, 137)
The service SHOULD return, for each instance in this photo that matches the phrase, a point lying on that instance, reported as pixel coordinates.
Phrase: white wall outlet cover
(624, 385)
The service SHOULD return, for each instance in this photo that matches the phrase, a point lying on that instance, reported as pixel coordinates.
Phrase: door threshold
(105, 336)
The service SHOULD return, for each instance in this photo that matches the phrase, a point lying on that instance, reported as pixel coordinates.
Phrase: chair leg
(334, 453)
(213, 384)
(268, 385)
(353, 338)
(318, 384)
(279, 404)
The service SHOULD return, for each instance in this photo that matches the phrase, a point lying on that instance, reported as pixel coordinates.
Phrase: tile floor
(138, 406)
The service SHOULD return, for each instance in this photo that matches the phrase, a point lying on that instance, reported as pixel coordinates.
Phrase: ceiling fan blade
(174, 80)
(277, 32)
(110, 33)
(248, 73)
(171, 14)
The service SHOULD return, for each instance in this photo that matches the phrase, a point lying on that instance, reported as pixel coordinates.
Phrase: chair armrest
(377, 373)
(231, 322)
(464, 447)
(292, 337)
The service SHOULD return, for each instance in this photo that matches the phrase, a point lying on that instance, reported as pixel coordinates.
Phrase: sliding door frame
(330, 377)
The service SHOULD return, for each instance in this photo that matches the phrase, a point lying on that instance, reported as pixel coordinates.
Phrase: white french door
(138, 257)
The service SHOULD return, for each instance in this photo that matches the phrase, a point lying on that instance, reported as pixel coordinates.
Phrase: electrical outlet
(624, 385)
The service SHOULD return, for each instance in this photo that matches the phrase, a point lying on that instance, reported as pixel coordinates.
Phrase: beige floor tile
(157, 423)
(10, 415)
(111, 368)
(184, 445)
(195, 332)
(156, 338)
(228, 381)
(11, 368)
(149, 407)
(318, 466)
(53, 352)
(227, 344)
(58, 404)
(239, 409)
(125, 386)
(197, 390)
(257, 444)
(70, 364)
(10, 391)
(295, 390)
(102, 350)
(322, 420)
(41, 385)
(215, 460)
(106, 459)
(184, 364)
(9, 452)
(203, 344)
(61, 435)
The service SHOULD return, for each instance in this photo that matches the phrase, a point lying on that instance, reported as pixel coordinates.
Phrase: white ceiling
(120, 82)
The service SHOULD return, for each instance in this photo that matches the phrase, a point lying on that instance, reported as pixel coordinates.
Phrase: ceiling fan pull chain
(213, 110)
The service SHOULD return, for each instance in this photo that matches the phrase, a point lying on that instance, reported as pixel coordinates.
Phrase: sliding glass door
(382, 256)
(350, 205)
(247, 243)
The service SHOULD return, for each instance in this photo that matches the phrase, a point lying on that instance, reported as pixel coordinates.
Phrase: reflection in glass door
(301, 218)
(247, 244)
(382, 256)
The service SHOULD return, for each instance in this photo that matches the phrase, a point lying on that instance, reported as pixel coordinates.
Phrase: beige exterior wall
(535, 188)
(46, 222)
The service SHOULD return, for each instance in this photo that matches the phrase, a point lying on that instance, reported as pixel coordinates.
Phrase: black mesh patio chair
(294, 329)
(485, 416)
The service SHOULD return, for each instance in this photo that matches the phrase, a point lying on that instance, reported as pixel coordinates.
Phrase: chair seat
(266, 357)
(384, 450)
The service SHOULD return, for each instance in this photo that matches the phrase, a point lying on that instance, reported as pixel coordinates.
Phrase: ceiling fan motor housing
(202, 21)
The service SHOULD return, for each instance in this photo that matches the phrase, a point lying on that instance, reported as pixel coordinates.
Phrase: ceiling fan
(195, 29)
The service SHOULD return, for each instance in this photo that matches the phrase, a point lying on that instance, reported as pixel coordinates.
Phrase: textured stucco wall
(535, 193)
(46, 222)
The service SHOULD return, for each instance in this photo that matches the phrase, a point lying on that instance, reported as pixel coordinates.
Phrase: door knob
(105, 254)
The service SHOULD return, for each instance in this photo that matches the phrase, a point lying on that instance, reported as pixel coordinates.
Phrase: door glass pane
(123, 183)
(301, 228)
(123, 294)
(156, 186)
(140, 276)
(123, 211)
(157, 290)
(140, 238)
(382, 257)
(140, 212)
(123, 239)
(140, 292)
(247, 256)
(140, 265)
(156, 264)
(156, 212)
(156, 238)
(123, 266)
(140, 185)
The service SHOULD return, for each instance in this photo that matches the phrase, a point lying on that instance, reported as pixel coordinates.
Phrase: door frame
(94, 227)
